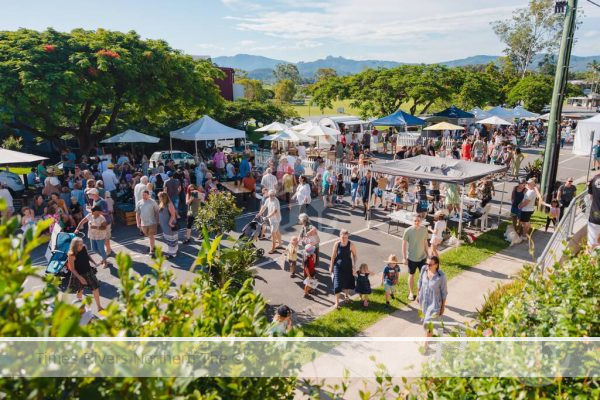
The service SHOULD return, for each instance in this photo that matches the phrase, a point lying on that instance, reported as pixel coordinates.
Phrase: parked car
(13, 182)
(180, 157)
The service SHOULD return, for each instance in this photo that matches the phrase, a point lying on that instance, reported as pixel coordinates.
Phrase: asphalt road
(373, 244)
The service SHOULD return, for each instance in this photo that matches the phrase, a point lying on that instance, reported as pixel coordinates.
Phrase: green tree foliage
(535, 91)
(12, 143)
(477, 90)
(285, 90)
(326, 90)
(239, 112)
(564, 304)
(254, 90)
(87, 84)
(287, 72)
(218, 214)
(530, 31)
(152, 305)
(325, 73)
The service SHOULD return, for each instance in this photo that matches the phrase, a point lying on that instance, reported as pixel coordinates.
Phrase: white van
(180, 157)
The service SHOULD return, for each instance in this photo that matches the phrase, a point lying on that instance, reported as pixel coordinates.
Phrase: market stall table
(235, 188)
(403, 217)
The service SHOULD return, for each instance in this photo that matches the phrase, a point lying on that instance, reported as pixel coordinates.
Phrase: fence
(574, 218)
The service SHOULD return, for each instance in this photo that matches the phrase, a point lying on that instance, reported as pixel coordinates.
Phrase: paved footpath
(466, 294)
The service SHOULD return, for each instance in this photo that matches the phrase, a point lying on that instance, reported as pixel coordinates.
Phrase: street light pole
(552, 150)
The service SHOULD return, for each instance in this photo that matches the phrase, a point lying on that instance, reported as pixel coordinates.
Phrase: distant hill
(259, 67)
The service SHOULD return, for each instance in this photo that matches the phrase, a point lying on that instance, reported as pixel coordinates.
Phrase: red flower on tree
(108, 53)
(93, 71)
(49, 48)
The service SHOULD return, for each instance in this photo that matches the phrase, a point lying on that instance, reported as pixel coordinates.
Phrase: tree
(86, 84)
(218, 213)
(476, 90)
(530, 31)
(325, 90)
(286, 72)
(325, 73)
(152, 305)
(285, 90)
(535, 91)
(593, 75)
(253, 89)
(239, 112)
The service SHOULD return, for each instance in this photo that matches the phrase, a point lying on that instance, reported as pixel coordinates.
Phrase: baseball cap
(110, 165)
(96, 208)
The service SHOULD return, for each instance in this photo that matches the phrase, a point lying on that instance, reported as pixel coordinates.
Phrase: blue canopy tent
(504, 113)
(454, 112)
(480, 114)
(399, 118)
(521, 112)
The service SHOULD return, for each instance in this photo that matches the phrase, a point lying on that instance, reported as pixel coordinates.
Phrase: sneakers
(412, 297)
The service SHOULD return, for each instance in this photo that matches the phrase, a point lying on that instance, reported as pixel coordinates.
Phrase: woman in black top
(79, 263)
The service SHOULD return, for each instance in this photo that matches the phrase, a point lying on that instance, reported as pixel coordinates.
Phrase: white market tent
(131, 136)
(273, 127)
(206, 129)
(522, 113)
(502, 112)
(320, 130)
(587, 133)
(494, 120)
(16, 157)
(288, 136)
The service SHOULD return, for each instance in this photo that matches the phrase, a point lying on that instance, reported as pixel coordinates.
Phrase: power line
(596, 4)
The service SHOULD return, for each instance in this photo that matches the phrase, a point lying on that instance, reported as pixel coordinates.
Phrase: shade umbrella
(131, 136)
(288, 136)
(442, 126)
(319, 130)
(273, 127)
(494, 120)
(16, 157)
(303, 126)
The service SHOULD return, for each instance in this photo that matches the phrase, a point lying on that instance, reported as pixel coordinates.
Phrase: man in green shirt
(414, 251)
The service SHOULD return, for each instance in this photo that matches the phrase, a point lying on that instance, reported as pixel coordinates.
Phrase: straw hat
(392, 259)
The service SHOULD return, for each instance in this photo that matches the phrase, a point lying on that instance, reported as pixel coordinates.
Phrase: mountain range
(259, 67)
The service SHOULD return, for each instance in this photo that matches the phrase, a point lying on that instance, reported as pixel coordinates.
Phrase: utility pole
(552, 151)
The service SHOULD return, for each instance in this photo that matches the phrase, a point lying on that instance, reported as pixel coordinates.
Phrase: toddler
(291, 254)
(310, 263)
(363, 286)
(389, 279)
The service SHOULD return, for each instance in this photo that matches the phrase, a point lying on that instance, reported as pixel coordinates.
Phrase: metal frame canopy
(438, 169)
(16, 157)
(207, 128)
(131, 136)
(399, 118)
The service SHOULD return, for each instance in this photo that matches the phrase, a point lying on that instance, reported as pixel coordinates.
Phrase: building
(590, 101)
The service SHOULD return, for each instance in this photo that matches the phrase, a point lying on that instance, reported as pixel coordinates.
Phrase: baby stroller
(57, 264)
(251, 231)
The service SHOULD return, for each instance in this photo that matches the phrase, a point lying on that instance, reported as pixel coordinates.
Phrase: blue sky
(296, 30)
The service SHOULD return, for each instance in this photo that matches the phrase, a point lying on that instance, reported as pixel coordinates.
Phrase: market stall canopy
(207, 128)
(399, 118)
(520, 112)
(273, 127)
(131, 136)
(454, 113)
(288, 136)
(586, 135)
(437, 169)
(502, 112)
(443, 126)
(545, 117)
(494, 120)
(319, 130)
(480, 114)
(16, 157)
(303, 126)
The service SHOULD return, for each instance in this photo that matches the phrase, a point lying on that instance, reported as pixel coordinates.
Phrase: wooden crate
(127, 217)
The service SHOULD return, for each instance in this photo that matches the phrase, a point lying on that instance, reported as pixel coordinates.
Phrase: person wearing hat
(96, 231)
(389, 278)
(309, 234)
(527, 207)
(110, 180)
(414, 251)
(282, 321)
(273, 214)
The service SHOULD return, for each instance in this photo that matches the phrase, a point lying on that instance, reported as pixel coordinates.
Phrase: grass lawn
(353, 319)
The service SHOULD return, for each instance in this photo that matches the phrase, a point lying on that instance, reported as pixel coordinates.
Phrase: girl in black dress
(363, 286)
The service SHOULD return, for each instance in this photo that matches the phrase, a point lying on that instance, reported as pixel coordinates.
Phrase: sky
(299, 30)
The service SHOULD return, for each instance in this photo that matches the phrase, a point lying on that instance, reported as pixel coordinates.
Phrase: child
(437, 232)
(553, 214)
(340, 189)
(75, 210)
(282, 321)
(389, 279)
(310, 261)
(363, 286)
(291, 254)
(110, 203)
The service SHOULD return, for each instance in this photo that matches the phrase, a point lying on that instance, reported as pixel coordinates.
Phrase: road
(373, 244)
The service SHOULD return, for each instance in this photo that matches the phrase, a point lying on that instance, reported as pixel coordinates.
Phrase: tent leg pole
(460, 214)
(171, 143)
(196, 143)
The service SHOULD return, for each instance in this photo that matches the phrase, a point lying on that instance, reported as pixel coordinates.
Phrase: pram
(252, 230)
(57, 264)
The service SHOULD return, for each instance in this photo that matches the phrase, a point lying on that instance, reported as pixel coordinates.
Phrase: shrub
(218, 214)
